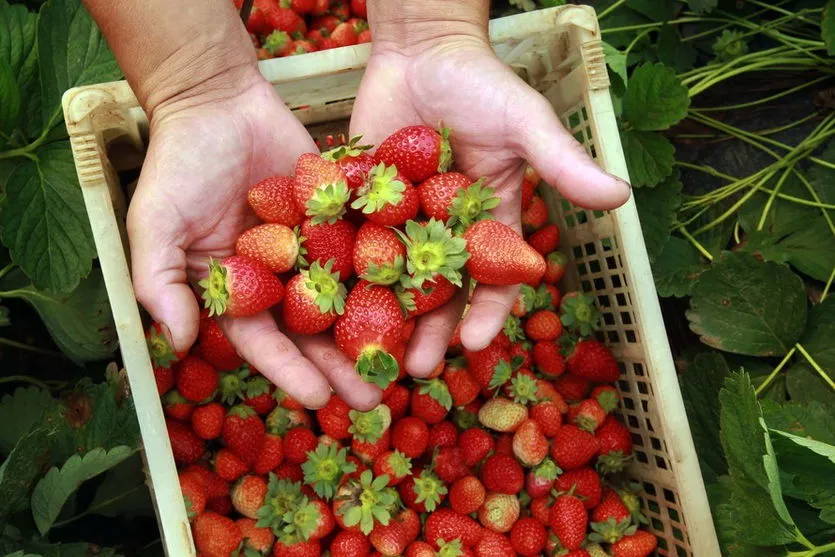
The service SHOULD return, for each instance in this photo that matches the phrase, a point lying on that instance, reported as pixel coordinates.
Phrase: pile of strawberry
(290, 27)
(511, 450)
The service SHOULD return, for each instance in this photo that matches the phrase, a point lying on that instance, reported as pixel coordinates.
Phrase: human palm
(498, 123)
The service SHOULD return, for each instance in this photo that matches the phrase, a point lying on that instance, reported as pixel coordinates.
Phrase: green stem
(768, 380)
(720, 28)
(816, 366)
(642, 26)
(640, 36)
(764, 100)
(768, 63)
(814, 550)
(696, 244)
(28, 149)
(610, 9)
(93, 509)
(5, 270)
(24, 379)
(828, 285)
(816, 197)
(782, 11)
(26, 347)
(773, 195)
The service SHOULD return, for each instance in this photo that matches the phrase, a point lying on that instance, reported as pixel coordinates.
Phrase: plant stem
(782, 11)
(696, 244)
(24, 379)
(93, 509)
(5, 270)
(773, 195)
(811, 552)
(764, 100)
(610, 9)
(828, 285)
(816, 366)
(768, 380)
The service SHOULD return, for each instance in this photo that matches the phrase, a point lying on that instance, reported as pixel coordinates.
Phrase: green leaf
(68, 550)
(20, 411)
(828, 27)
(810, 419)
(81, 322)
(72, 53)
(9, 97)
(819, 335)
(616, 60)
(20, 470)
(746, 306)
(823, 449)
(18, 49)
(772, 472)
(805, 385)
(649, 157)
(657, 210)
(701, 6)
(44, 222)
(676, 268)
(740, 433)
(808, 473)
(700, 385)
(674, 53)
(123, 492)
(56, 487)
(757, 522)
(656, 10)
(655, 98)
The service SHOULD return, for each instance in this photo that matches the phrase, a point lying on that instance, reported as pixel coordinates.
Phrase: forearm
(407, 22)
(168, 49)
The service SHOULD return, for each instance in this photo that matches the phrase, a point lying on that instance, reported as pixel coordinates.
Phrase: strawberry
(421, 549)
(359, 8)
(431, 401)
(369, 331)
(611, 506)
(165, 378)
(379, 256)
(462, 387)
(580, 314)
(467, 494)
(215, 535)
(547, 357)
(593, 361)
(194, 495)
(543, 325)
(571, 387)
(583, 483)
(364, 36)
(536, 215)
(333, 418)
(432, 295)
(240, 286)
(325, 467)
(328, 22)
(215, 347)
(274, 245)
(499, 512)
(587, 414)
(244, 432)
(257, 23)
(471, 204)
(259, 395)
(386, 197)
(432, 251)
(418, 152)
(297, 443)
(393, 464)
(555, 263)
(548, 416)
(546, 239)
(313, 299)
(312, 520)
(212, 484)
(568, 520)
(320, 188)
(248, 495)
(159, 348)
(530, 446)
(344, 34)
(394, 537)
(272, 453)
(363, 501)
(501, 414)
(615, 445)
(207, 421)
(529, 182)
(488, 365)
(326, 241)
(340, 9)
(573, 448)
(410, 436)
(277, 44)
(422, 491)
(397, 399)
(447, 525)
(299, 6)
(185, 445)
(449, 464)
(607, 396)
(228, 466)
(197, 381)
(272, 198)
(493, 544)
(220, 505)
(290, 548)
(502, 474)
(528, 537)
(437, 192)
(289, 471)
(475, 445)
(177, 407)
(351, 157)
(327, 43)
(368, 451)
(540, 479)
(285, 19)
(523, 387)
(259, 540)
(639, 544)
(443, 434)
(499, 256)
(350, 544)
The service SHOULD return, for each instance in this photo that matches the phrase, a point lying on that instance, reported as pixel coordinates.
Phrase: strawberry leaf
(658, 211)
(655, 98)
(20, 412)
(649, 157)
(676, 268)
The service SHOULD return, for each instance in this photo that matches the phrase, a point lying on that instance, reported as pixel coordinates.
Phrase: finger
(260, 343)
(432, 334)
(159, 273)
(489, 309)
(339, 370)
(560, 159)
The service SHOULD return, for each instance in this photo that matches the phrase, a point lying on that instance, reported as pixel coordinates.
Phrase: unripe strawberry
(529, 444)
(501, 414)
(499, 512)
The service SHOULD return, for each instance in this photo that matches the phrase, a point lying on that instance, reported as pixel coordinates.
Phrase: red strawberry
(272, 198)
(297, 443)
(351, 157)
(333, 418)
(490, 244)
(327, 22)
(259, 395)
(397, 399)
(393, 464)
(418, 152)
(340, 9)
(467, 494)
(555, 263)
(528, 537)
(323, 242)
(431, 401)
(611, 517)
(177, 407)
(447, 525)
(165, 379)
(379, 256)
(546, 239)
(348, 543)
(244, 432)
(432, 251)
(501, 473)
(437, 192)
(499, 512)
(320, 188)
(393, 538)
(547, 357)
(587, 414)
(248, 495)
(573, 448)
(194, 494)
(529, 182)
(493, 544)
(213, 485)
(216, 535)
(288, 548)
(256, 539)
(313, 299)
(197, 381)
(369, 331)
(443, 434)
(359, 8)
(607, 396)
(215, 347)
(386, 197)
(593, 361)
(615, 444)
(572, 387)
(207, 421)
(299, 6)
(364, 36)
(461, 385)
(530, 446)
(344, 34)
(540, 480)
(483, 365)
(423, 491)
(368, 451)
(449, 464)
(271, 455)
(548, 415)
(410, 436)
(569, 520)
(186, 446)
(432, 295)
(421, 549)
(543, 325)
(274, 245)
(220, 505)
(240, 286)
(285, 19)
(585, 483)
(639, 544)
(475, 445)
(536, 215)
(228, 466)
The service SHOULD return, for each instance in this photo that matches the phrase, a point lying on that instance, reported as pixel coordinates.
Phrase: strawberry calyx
(161, 352)
(513, 329)
(445, 157)
(453, 548)
(579, 313)
(330, 293)
(276, 42)
(523, 389)
(611, 530)
(432, 250)
(385, 274)
(501, 374)
(301, 521)
(367, 499)
(215, 289)
(472, 204)
(399, 464)
(368, 427)
(437, 389)
(283, 496)
(231, 385)
(613, 462)
(328, 203)
(557, 258)
(256, 386)
(377, 366)
(465, 419)
(429, 489)
(325, 467)
(278, 421)
(380, 188)
(629, 497)
(547, 469)
(350, 149)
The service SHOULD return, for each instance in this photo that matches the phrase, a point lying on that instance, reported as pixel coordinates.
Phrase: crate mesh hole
(630, 336)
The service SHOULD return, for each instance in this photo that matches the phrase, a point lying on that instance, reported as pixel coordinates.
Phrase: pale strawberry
(274, 245)
(240, 286)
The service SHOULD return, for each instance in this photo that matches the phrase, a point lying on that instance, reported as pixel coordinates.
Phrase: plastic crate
(558, 51)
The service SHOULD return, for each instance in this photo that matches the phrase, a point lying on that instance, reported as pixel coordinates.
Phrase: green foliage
(657, 209)
(649, 156)
(655, 98)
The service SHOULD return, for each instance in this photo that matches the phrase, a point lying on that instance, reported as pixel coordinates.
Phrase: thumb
(561, 160)
(159, 273)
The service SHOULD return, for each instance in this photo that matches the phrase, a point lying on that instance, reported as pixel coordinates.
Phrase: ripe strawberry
(177, 407)
(393, 464)
(569, 520)
(487, 366)
(462, 387)
(410, 436)
(213, 485)
(548, 416)
(326, 241)
(364, 36)
(639, 544)
(449, 465)
(216, 535)
(348, 543)
(615, 445)
(185, 445)
(397, 399)
(194, 495)
(278, 44)
(379, 256)
(418, 152)
(529, 182)
(302, 46)
(547, 357)
(432, 295)
(244, 432)
(340, 9)
(289, 548)
(290, 471)
(467, 494)
(544, 325)
(321, 8)
(285, 19)
(593, 361)
(274, 245)
(272, 453)
(607, 396)
(259, 394)
(228, 466)
(320, 188)
(443, 434)
(272, 198)
(490, 244)
(536, 215)
(327, 22)
(501, 414)
(571, 387)
(369, 331)
(165, 379)
(215, 347)
(393, 538)
(540, 479)
(499, 512)
(368, 451)
(313, 299)
(447, 525)
(248, 495)
(386, 197)
(475, 445)
(220, 505)
(333, 418)
(297, 443)
(423, 491)
(504, 444)
(161, 352)
(502, 474)
(573, 448)
(522, 387)
(351, 157)
(359, 8)
(530, 445)
(546, 239)
(207, 421)
(587, 414)
(299, 6)
(239, 286)
(555, 263)
(421, 549)
(585, 483)
(493, 544)
(528, 537)
(431, 401)
(344, 34)
(259, 540)
(197, 381)
(437, 192)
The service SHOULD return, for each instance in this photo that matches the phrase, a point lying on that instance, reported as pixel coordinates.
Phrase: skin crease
(217, 127)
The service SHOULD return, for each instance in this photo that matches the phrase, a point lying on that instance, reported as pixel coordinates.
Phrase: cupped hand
(498, 124)
(206, 150)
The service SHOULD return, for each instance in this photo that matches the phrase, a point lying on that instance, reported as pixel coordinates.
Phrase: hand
(498, 124)
(207, 149)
